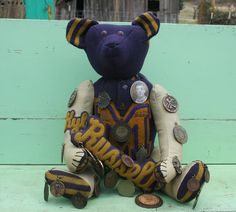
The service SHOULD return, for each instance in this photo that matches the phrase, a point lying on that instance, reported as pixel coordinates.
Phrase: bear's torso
(129, 125)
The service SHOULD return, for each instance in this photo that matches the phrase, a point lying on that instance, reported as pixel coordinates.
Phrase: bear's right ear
(76, 30)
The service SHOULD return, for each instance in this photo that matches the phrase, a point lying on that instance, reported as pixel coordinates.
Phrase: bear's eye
(121, 33)
(104, 33)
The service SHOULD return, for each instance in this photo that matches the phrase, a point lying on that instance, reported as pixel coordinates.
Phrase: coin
(126, 188)
(139, 92)
(207, 175)
(103, 99)
(62, 152)
(79, 201)
(148, 201)
(128, 161)
(142, 154)
(72, 98)
(111, 179)
(57, 188)
(177, 165)
(121, 132)
(170, 104)
(180, 134)
(46, 191)
(193, 185)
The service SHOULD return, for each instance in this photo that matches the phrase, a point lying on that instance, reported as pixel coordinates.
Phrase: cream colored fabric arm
(83, 102)
(165, 122)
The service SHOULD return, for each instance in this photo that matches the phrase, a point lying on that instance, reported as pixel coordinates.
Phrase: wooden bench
(39, 70)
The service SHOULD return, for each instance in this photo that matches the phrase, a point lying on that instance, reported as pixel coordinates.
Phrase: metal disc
(177, 165)
(96, 164)
(142, 154)
(180, 134)
(128, 161)
(170, 104)
(207, 175)
(126, 188)
(121, 132)
(72, 98)
(79, 201)
(46, 191)
(148, 201)
(193, 185)
(139, 92)
(57, 188)
(97, 190)
(103, 99)
(111, 179)
(62, 152)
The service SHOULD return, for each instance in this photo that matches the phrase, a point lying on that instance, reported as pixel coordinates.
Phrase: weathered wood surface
(22, 190)
(39, 70)
(12, 9)
(114, 10)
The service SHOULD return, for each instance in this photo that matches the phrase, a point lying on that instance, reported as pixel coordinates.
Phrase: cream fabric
(83, 102)
(165, 123)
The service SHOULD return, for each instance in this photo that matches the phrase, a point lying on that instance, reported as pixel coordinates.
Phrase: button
(57, 188)
(180, 134)
(72, 98)
(139, 92)
(193, 185)
(128, 161)
(103, 99)
(148, 201)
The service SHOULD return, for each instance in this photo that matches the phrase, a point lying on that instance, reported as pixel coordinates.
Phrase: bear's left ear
(76, 30)
(149, 22)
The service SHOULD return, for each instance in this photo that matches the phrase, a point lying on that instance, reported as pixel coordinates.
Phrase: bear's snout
(112, 45)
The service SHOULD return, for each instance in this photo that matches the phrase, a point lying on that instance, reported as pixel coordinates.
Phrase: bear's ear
(76, 29)
(149, 22)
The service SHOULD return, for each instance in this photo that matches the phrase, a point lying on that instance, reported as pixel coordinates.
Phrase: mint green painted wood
(39, 141)
(38, 9)
(22, 190)
(39, 69)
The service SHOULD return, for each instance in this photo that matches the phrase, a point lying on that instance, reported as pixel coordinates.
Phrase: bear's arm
(83, 102)
(165, 123)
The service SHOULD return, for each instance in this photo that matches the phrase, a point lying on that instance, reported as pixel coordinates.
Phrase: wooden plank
(23, 189)
(39, 141)
(195, 63)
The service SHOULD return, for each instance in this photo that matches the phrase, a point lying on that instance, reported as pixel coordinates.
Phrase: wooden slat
(38, 73)
(23, 189)
(39, 141)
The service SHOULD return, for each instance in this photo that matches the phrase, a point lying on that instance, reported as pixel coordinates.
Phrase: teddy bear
(111, 124)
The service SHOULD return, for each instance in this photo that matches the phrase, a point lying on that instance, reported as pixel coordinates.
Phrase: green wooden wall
(39, 70)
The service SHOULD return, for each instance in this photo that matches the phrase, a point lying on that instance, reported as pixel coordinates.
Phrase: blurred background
(169, 11)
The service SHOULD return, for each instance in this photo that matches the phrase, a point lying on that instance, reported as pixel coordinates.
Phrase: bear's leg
(187, 186)
(77, 187)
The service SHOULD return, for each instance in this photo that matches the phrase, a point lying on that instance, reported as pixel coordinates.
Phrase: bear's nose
(112, 45)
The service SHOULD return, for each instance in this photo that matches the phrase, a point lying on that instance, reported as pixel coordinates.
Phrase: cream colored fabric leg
(83, 102)
(165, 123)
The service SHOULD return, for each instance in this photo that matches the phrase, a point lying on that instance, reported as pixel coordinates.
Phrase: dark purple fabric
(119, 90)
(114, 56)
(183, 187)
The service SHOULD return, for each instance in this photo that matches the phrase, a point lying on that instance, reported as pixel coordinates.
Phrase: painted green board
(39, 9)
(39, 141)
(39, 69)
(22, 190)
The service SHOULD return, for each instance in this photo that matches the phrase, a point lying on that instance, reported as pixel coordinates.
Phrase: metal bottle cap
(139, 92)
